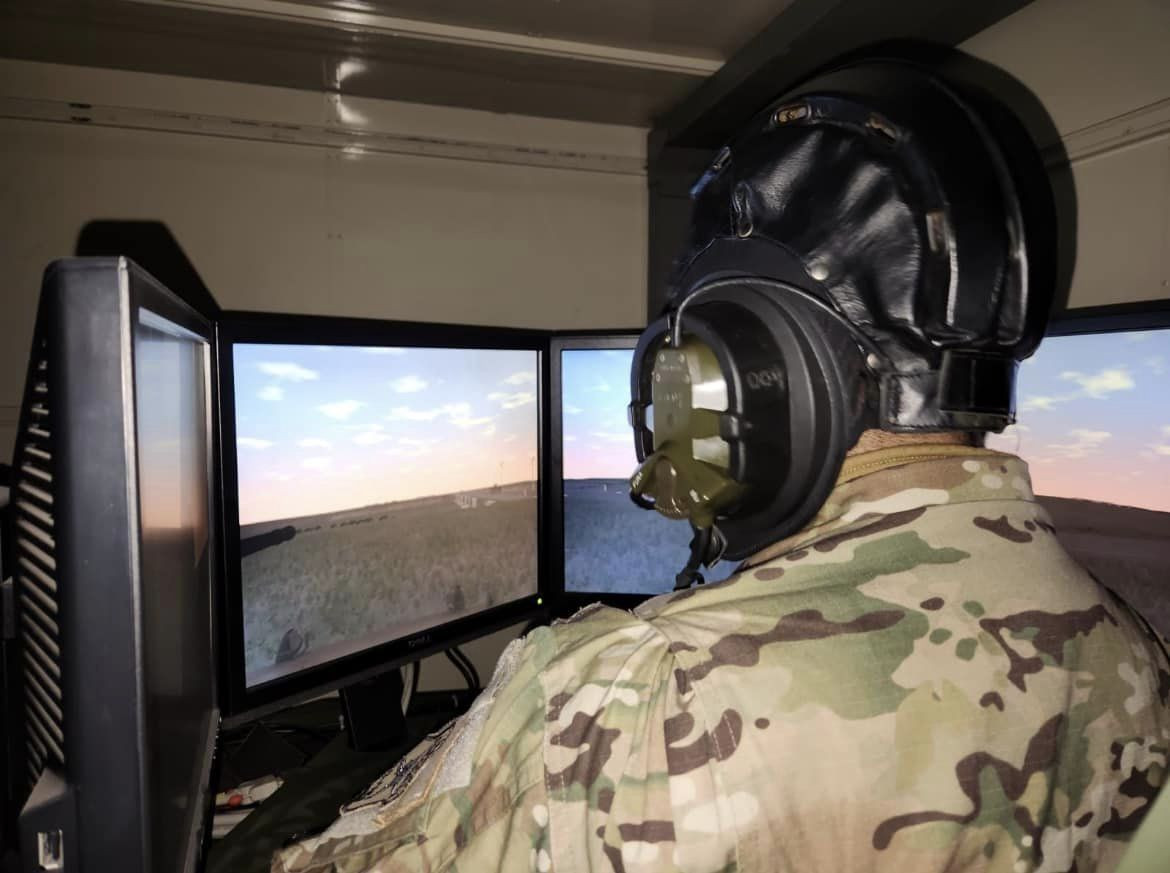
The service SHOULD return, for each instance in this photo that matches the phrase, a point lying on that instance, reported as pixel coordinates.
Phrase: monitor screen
(382, 492)
(1092, 418)
(611, 545)
(171, 405)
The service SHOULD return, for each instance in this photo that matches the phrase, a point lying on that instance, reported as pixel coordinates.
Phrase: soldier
(908, 672)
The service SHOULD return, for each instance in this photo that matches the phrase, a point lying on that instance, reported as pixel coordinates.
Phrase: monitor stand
(371, 711)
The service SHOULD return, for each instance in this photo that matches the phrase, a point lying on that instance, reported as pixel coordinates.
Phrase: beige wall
(483, 237)
(1102, 70)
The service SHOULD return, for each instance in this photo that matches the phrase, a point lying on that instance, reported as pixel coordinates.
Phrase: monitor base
(371, 712)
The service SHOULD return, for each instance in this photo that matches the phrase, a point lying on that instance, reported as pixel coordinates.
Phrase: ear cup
(814, 429)
(793, 378)
(834, 380)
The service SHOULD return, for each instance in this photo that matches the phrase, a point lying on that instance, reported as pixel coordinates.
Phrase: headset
(867, 254)
(747, 402)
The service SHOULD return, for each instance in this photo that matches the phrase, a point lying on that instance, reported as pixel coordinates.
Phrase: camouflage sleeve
(589, 747)
(631, 755)
(469, 798)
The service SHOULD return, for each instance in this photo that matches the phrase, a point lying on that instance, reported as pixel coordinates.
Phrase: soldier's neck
(873, 440)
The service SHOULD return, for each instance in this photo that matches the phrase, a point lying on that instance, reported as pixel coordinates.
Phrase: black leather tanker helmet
(877, 249)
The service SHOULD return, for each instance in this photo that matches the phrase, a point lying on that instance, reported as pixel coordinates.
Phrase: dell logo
(421, 639)
(773, 377)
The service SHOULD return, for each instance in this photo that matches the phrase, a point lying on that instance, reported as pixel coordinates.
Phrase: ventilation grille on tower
(36, 573)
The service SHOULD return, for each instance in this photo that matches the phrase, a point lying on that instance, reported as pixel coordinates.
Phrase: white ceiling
(615, 61)
(695, 28)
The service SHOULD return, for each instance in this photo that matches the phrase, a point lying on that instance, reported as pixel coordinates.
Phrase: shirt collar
(902, 479)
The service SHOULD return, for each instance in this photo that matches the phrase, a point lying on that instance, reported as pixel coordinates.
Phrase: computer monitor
(1091, 409)
(612, 550)
(382, 496)
(1092, 426)
(115, 550)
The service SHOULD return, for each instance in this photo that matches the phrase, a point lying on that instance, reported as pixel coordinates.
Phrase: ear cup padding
(795, 430)
(818, 431)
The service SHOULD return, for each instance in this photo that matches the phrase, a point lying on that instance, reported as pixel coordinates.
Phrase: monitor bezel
(1111, 318)
(148, 295)
(568, 602)
(241, 703)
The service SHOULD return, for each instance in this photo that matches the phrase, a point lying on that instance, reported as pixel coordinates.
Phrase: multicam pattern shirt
(921, 680)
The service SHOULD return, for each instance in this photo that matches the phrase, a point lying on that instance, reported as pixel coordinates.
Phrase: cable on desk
(410, 673)
(471, 667)
(464, 666)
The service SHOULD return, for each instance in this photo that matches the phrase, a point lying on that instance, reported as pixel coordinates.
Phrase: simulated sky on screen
(325, 428)
(1094, 418)
(599, 443)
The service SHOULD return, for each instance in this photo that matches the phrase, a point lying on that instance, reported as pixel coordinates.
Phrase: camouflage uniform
(920, 680)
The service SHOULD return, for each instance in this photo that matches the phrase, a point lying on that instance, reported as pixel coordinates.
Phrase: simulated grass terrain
(350, 579)
(614, 547)
(1124, 547)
